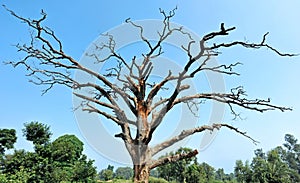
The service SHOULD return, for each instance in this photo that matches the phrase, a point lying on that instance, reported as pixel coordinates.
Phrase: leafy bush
(3, 178)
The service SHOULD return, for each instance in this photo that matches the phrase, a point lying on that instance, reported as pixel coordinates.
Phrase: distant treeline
(63, 161)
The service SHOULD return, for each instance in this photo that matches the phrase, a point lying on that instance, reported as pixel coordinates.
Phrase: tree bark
(141, 173)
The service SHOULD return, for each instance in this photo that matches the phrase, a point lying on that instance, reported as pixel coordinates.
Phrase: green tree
(59, 161)
(7, 139)
(110, 167)
(124, 173)
(61, 173)
(277, 170)
(194, 173)
(84, 170)
(265, 168)
(69, 162)
(220, 174)
(175, 171)
(259, 166)
(39, 163)
(13, 162)
(37, 132)
(243, 173)
(187, 170)
(208, 170)
(107, 174)
(67, 149)
(22, 165)
(277, 165)
(292, 154)
(270, 168)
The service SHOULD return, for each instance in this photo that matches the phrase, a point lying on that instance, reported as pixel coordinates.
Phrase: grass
(151, 180)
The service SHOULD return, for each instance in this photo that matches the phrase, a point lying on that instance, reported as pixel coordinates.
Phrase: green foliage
(221, 176)
(60, 161)
(269, 168)
(280, 164)
(14, 162)
(69, 162)
(242, 172)
(37, 132)
(20, 176)
(189, 171)
(83, 170)
(194, 174)
(3, 178)
(7, 139)
(154, 173)
(208, 172)
(292, 153)
(67, 149)
(124, 173)
(110, 167)
(106, 174)
(176, 171)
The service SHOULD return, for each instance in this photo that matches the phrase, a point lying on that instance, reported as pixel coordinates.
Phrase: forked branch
(186, 133)
(173, 158)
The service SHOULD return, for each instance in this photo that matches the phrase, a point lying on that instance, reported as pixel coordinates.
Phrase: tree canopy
(67, 148)
(280, 164)
(37, 132)
(7, 139)
(58, 161)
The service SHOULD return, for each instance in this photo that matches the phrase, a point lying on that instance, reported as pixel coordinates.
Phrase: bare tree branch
(259, 105)
(173, 158)
(89, 108)
(186, 133)
(251, 45)
(230, 99)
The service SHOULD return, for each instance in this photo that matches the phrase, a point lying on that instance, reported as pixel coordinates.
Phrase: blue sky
(263, 73)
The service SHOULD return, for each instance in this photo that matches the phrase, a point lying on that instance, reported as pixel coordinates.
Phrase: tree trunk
(141, 173)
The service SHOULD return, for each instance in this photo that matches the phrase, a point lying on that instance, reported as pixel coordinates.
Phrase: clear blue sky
(78, 23)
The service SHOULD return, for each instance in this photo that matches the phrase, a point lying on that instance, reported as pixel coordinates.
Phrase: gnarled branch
(186, 133)
(172, 158)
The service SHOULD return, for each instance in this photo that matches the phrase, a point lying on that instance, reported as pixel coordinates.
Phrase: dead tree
(48, 65)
